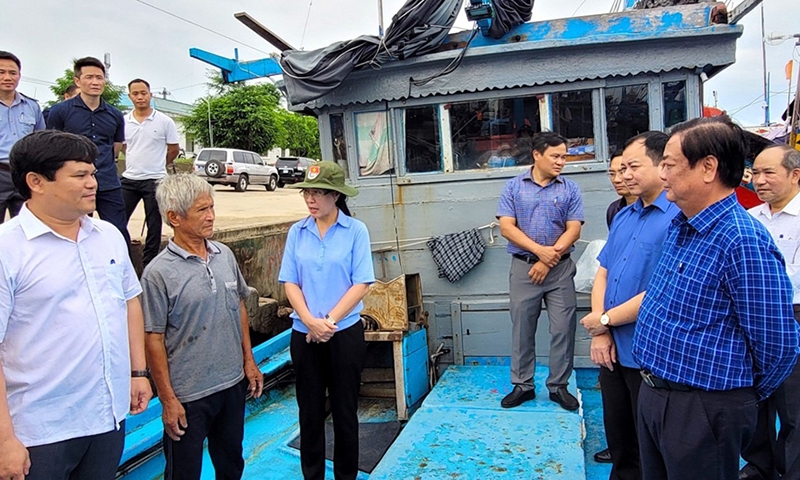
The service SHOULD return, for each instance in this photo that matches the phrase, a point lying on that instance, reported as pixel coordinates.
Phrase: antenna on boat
(380, 18)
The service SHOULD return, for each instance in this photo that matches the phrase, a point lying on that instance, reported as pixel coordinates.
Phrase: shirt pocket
(232, 295)
(115, 274)
(26, 124)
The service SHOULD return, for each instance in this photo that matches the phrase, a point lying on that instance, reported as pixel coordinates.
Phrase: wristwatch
(605, 320)
(330, 319)
(140, 373)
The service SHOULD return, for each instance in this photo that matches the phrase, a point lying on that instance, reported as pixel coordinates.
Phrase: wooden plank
(383, 336)
(377, 375)
(399, 381)
(378, 390)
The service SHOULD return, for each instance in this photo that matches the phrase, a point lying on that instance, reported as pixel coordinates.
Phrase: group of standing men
(79, 333)
(148, 137)
(695, 306)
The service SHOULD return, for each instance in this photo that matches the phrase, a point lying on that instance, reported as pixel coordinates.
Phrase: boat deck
(459, 431)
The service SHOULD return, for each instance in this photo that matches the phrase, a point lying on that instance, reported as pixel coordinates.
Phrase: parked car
(292, 169)
(237, 168)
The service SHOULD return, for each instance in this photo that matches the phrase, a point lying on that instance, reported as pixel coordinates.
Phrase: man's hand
(538, 272)
(254, 377)
(174, 417)
(549, 256)
(141, 393)
(604, 351)
(591, 323)
(320, 330)
(15, 463)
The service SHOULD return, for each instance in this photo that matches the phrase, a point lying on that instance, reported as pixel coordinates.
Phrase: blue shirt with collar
(104, 126)
(717, 314)
(541, 212)
(630, 256)
(24, 116)
(325, 268)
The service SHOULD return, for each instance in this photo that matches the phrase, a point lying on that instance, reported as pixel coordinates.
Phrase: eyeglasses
(313, 193)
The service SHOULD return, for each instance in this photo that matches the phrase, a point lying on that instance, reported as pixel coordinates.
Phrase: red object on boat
(746, 197)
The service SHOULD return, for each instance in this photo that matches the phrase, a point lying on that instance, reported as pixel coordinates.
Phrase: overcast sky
(147, 43)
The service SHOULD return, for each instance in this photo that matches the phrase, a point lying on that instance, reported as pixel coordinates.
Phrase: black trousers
(776, 454)
(695, 434)
(220, 418)
(95, 457)
(620, 393)
(132, 192)
(111, 208)
(336, 366)
(10, 199)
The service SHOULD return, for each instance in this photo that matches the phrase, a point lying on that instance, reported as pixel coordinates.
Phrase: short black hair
(544, 140)
(71, 89)
(615, 152)
(717, 136)
(88, 62)
(10, 56)
(654, 143)
(45, 152)
(138, 80)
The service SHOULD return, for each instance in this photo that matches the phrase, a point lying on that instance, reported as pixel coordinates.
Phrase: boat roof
(555, 51)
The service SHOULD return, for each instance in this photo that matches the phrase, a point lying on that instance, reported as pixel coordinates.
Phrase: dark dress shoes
(517, 397)
(564, 398)
(603, 456)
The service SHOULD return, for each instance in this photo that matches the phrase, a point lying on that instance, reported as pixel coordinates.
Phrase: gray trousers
(558, 293)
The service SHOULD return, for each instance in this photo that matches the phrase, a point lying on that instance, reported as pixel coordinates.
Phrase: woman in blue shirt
(326, 271)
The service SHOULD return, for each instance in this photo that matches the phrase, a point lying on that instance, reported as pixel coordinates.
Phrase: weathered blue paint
(415, 366)
(462, 432)
(235, 71)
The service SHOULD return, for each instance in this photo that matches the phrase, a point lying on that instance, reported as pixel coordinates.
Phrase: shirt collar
(660, 202)
(32, 227)
(130, 116)
(78, 102)
(709, 216)
(793, 207)
(528, 175)
(341, 219)
(174, 248)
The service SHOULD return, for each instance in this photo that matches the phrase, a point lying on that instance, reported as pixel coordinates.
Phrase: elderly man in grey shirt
(198, 341)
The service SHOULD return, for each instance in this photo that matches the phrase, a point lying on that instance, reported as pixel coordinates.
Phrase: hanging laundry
(456, 254)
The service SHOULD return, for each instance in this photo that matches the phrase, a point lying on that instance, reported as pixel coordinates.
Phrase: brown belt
(5, 167)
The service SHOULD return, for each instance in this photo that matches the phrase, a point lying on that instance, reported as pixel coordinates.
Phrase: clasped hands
(320, 330)
(548, 258)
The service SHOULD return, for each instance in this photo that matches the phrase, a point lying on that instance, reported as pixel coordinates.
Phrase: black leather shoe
(603, 456)
(564, 398)
(750, 472)
(517, 397)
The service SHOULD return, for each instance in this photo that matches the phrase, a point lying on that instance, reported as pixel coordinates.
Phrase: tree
(111, 94)
(302, 135)
(246, 117)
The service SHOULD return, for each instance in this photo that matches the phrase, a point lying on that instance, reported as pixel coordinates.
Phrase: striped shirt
(541, 212)
(718, 310)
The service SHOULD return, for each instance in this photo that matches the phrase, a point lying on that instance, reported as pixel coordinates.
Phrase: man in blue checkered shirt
(715, 332)
(541, 214)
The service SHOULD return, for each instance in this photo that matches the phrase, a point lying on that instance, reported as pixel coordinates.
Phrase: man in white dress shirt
(151, 144)
(771, 454)
(72, 361)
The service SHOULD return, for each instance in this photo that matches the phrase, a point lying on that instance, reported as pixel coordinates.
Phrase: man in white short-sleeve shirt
(72, 361)
(776, 177)
(151, 144)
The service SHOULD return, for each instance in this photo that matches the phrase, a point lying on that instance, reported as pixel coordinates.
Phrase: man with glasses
(625, 196)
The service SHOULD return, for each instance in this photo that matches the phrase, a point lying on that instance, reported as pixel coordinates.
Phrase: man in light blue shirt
(19, 116)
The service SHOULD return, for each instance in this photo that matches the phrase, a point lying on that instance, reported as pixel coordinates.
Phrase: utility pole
(380, 19)
(764, 68)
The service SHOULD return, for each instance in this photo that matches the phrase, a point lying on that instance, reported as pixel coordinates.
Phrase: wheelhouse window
(493, 133)
(674, 103)
(627, 114)
(422, 146)
(372, 137)
(572, 118)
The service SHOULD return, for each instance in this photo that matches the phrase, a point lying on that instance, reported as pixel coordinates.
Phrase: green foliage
(112, 93)
(302, 135)
(244, 117)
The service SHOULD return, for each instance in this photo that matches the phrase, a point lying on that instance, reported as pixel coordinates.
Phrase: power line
(579, 7)
(36, 81)
(201, 26)
(308, 15)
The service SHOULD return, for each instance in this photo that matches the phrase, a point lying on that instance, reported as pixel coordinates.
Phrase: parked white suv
(237, 168)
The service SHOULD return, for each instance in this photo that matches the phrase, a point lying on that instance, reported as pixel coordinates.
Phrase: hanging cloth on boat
(456, 254)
